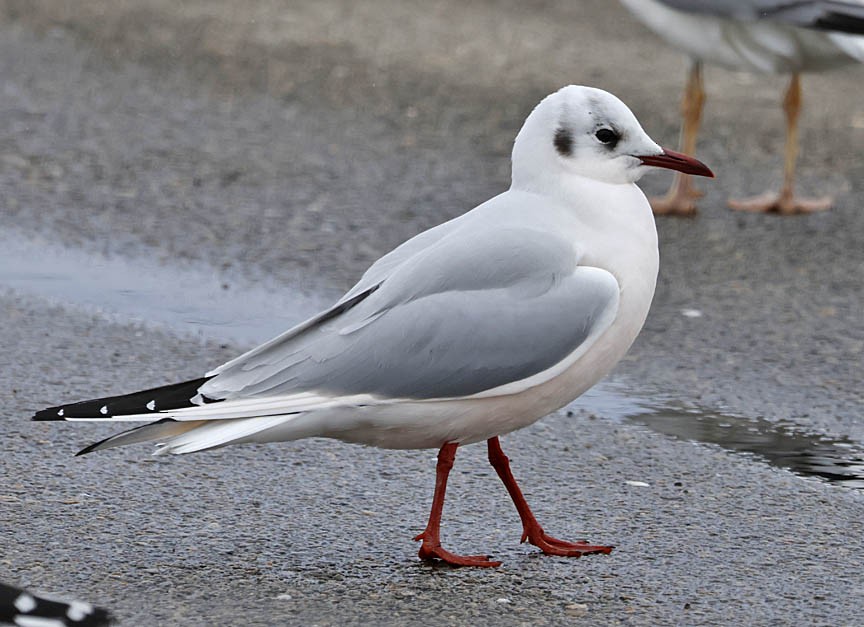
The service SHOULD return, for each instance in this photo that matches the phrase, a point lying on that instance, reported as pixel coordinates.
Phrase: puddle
(782, 444)
(190, 300)
(195, 301)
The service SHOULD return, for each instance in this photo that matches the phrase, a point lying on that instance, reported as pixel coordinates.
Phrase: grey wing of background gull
(834, 15)
(457, 318)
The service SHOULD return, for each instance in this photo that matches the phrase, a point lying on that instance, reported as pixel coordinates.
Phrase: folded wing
(454, 320)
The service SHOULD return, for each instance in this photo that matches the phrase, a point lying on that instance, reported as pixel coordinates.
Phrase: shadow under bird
(762, 36)
(470, 330)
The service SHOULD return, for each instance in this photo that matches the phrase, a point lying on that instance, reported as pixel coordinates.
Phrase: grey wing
(368, 283)
(385, 266)
(461, 317)
(834, 15)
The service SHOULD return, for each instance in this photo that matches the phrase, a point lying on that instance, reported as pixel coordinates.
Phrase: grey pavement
(292, 146)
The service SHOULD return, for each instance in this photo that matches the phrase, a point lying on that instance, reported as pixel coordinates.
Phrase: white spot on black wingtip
(79, 610)
(25, 603)
(60, 413)
(104, 410)
(151, 405)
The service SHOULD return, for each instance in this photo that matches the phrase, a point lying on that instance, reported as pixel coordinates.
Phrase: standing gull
(470, 330)
(764, 36)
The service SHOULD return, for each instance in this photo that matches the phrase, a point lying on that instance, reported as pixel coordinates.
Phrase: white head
(590, 133)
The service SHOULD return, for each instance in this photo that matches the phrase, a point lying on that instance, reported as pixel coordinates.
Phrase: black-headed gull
(23, 608)
(764, 36)
(467, 331)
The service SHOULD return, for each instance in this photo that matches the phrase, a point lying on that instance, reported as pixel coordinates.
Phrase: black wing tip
(99, 617)
(166, 397)
(51, 413)
(89, 449)
(839, 17)
(45, 610)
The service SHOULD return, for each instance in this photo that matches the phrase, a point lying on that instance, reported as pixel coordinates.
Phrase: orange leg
(786, 203)
(431, 548)
(531, 529)
(681, 198)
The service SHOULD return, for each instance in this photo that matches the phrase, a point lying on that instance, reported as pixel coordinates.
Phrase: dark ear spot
(564, 142)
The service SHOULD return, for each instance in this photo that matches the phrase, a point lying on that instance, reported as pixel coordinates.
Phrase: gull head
(588, 132)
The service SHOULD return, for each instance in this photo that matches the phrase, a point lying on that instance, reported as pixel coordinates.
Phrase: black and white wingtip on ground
(136, 406)
(167, 397)
(22, 608)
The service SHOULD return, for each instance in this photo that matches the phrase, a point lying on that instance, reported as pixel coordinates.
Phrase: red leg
(431, 548)
(531, 529)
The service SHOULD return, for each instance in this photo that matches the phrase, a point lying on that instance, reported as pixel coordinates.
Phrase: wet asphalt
(292, 147)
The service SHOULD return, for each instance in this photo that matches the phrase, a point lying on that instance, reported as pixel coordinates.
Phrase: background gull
(764, 36)
(470, 330)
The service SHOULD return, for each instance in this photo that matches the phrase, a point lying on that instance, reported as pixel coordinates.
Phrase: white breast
(613, 230)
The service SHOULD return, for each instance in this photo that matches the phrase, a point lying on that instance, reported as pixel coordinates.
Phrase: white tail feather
(219, 433)
(146, 433)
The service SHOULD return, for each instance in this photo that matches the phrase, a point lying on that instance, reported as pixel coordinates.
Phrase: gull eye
(607, 136)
